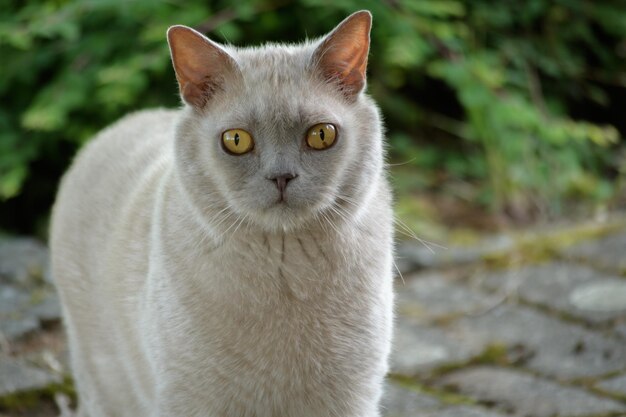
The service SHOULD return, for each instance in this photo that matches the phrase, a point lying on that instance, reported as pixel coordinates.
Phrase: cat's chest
(291, 300)
(279, 265)
(278, 312)
(257, 277)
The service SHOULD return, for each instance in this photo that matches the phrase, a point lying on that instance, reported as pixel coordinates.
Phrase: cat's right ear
(201, 65)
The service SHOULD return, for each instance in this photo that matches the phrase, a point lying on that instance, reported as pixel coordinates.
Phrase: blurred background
(499, 114)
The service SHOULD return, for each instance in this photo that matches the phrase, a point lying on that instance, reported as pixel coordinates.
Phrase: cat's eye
(321, 136)
(237, 141)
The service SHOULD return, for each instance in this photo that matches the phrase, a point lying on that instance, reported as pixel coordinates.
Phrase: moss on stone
(37, 295)
(494, 354)
(542, 247)
(27, 399)
(446, 397)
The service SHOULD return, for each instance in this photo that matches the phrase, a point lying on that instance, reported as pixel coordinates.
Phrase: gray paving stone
(399, 401)
(418, 348)
(403, 402)
(18, 376)
(601, 297)
(416, 255)
(526, 395)
(616, 385)
(12, 299)
(19, 327)
(21, 315)
(428, 296)
(607, 252)
(49, 309)
(577, 290)
(459, 411)
(557, 348)
(23, 260)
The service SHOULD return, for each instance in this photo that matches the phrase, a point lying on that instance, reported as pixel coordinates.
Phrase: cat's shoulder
(144, 121)
(142, 130)
(124, 149)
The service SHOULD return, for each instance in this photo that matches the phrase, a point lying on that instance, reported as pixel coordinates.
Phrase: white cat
(234, 258)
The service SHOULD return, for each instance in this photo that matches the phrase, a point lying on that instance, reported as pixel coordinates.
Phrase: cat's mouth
(282, 200)
(284, 206)
(282, 203)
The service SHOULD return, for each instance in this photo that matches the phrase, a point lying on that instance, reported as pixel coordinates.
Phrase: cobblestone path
(531, 325)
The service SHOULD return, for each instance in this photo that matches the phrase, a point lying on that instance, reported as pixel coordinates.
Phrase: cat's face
(276, 140)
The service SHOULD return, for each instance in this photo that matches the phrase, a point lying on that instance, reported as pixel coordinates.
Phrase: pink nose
(281, 181)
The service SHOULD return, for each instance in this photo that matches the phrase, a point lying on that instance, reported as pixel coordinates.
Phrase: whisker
(409, 232)
(399, 273)
(404, 229)
(330, 222)
(229, 227)
(245, 216)
(402, 163)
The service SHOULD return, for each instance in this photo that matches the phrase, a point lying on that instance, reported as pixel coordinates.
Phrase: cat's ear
(342, 55)
(201, 65)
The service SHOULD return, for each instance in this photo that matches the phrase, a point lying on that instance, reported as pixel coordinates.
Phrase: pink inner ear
(343, 54)
(200, 64)
(195, 95)
(355, 61)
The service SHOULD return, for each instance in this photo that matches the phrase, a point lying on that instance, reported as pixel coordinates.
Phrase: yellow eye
(321, 136)
(237, 141)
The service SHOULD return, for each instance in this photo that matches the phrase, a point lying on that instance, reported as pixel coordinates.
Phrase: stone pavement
(529, 325)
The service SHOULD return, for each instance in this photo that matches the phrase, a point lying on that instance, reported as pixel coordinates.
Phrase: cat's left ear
(342, 55)
(202, 66)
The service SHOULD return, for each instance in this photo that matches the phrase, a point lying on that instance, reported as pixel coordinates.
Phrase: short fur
(187, 290)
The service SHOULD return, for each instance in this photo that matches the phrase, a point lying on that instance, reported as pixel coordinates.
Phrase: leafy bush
(517, 97)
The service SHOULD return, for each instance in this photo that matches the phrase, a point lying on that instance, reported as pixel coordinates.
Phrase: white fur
(186, 292)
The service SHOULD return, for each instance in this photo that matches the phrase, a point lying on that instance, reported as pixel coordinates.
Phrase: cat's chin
(282, 217)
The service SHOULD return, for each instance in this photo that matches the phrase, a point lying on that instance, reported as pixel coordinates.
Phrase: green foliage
(518, 70)
(516, 97)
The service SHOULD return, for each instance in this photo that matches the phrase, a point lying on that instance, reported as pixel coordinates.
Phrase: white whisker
(402, 163)
(399, 273)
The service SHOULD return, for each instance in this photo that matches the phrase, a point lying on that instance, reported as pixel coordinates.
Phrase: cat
(234, 257)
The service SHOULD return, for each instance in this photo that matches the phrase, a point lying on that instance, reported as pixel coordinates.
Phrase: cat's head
(279, 135)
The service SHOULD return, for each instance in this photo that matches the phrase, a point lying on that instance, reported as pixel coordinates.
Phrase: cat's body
(177, 304)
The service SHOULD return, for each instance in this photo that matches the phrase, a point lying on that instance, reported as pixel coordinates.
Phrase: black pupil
(322, 134)
(236, 139)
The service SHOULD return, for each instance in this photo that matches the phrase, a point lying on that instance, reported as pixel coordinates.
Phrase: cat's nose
(281, 181)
